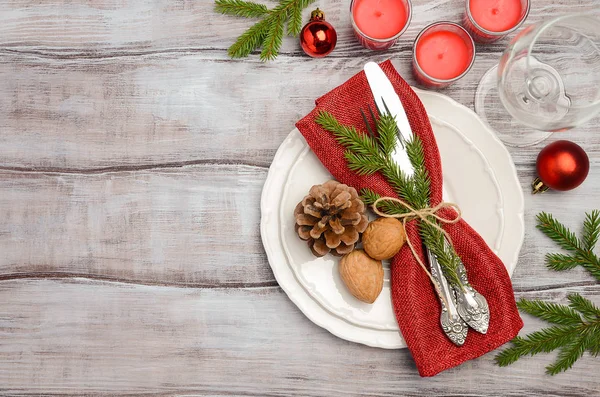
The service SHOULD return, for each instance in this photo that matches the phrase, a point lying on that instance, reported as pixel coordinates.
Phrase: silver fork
(452, 323)
(471, 305)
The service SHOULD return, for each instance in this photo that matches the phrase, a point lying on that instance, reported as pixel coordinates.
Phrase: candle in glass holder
(490, 20)
(379, 23)
(443, 52)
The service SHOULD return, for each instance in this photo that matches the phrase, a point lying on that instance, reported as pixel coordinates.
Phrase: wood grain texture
(132, 156)
(103, 107)
(194, 226)
(89, 337)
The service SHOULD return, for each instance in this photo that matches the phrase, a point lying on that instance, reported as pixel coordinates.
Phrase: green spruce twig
(580, 251)
(239, 8)
(267, 33)
(368, 153)
(576, 327)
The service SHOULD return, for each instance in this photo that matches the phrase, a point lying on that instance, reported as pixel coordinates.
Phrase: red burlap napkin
(415, 303)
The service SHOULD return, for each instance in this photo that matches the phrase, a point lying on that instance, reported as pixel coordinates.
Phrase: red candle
(379, 23)
(490, 20)
(443, 52)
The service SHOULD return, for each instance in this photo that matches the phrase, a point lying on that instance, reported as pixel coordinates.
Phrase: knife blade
(386, 99)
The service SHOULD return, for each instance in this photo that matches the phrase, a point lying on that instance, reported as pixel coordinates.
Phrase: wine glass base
(490, 109)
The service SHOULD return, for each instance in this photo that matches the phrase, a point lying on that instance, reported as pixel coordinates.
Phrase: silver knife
(386, 99)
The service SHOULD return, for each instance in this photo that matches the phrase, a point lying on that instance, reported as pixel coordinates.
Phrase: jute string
(423, 215)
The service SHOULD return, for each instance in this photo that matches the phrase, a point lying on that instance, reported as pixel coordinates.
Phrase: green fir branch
(571, 352)
(591, 230)
(543, 341)
(414, 148)
(361, 164)
(387, 132)
(267, 33)
(560, 262)
(561, 235)
(367, 154)
(294, 25)
(581, 251)
(250, 40)
(240, 8)
(349, 137)
(577, 328)
(274, 38)
(587, 309)
(550, 312)
(369, 197)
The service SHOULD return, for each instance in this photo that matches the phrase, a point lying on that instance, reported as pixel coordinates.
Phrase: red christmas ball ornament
(562, 165)
(318, 38)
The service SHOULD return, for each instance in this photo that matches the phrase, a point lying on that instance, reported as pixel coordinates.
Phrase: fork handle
(452, 323)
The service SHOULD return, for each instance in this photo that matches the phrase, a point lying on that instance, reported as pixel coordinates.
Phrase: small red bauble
(562, 165)
(318, 38)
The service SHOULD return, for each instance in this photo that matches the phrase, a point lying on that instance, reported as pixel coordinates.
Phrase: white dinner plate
(478, 175)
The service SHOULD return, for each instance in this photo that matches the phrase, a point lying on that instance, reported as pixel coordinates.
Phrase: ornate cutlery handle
(472, 306)
(453, 325)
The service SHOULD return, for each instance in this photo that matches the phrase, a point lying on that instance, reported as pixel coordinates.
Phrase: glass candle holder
(489, 21)
(443, 53)
(378, 24)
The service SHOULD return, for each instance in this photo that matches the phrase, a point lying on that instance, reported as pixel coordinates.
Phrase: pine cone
(331, 218)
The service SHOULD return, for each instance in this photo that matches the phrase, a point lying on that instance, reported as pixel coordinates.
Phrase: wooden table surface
(132, 157)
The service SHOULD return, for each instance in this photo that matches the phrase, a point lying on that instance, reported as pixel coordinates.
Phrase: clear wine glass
(548, 80)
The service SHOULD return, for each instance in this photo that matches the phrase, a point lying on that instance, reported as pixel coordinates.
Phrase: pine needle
(247, 9)
(577, 328)
(369, 197)
(585, 307)
(569, 353)
(274, 38)
(591, 230)
(551, 312)
(267, 33)
(581, 251)
(543, 341)
(358, 142)
(565, 238)
(560, 262)
(387, 130)
(250, 40)
(295, 23)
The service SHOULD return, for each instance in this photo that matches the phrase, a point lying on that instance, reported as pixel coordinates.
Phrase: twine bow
(423, 215)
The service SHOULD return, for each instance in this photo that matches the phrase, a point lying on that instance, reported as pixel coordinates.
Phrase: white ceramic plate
(478, 175)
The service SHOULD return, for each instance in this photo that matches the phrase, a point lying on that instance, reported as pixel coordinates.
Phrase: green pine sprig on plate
(370, 151)
(269, 31)
(576, 327)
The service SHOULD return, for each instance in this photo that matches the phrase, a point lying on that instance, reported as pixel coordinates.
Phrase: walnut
(362, 275)
(383, 238)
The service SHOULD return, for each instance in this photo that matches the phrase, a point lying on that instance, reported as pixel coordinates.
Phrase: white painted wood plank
(77, 92)
(196, 226)
(75, 336)
(98, 27)
(136, 111)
